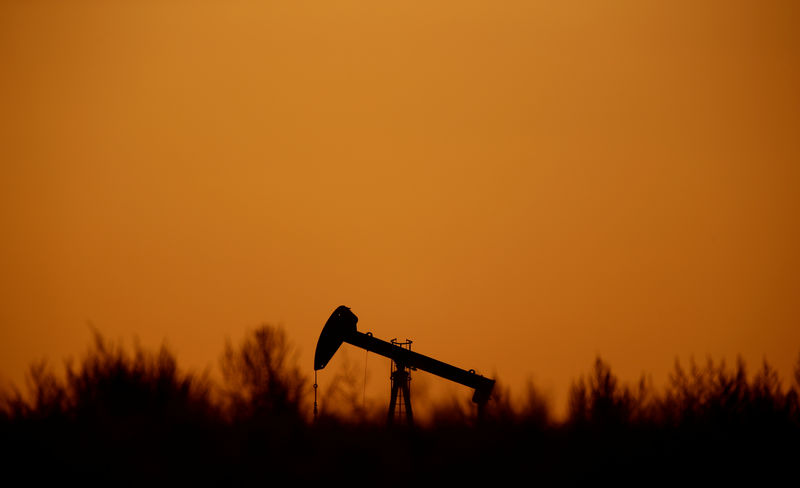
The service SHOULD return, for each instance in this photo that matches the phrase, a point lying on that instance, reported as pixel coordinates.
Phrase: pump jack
(341, 327)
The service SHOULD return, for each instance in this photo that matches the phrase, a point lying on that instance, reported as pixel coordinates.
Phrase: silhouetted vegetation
(129, 418)
(262, 380)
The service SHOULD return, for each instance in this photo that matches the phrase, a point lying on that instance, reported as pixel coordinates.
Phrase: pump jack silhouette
(341, 327)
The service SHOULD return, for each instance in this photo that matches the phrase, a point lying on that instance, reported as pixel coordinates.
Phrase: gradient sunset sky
(517, 186)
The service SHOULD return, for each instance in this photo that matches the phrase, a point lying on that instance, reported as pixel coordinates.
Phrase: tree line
(125, 417)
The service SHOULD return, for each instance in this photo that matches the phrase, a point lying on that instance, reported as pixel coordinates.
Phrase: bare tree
(261, 376)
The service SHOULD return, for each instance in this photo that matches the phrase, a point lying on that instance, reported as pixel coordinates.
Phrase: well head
(341, 323)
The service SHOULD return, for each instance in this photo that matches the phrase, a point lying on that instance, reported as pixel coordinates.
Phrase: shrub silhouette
(110, 384)
(599, 400)
(262, 379)
(532, 411)
(109, 413)
(123, 418)
(47, 396)
(342, 397)
(535, 411)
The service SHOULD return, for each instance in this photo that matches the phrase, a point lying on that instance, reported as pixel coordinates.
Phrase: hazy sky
(516, 186)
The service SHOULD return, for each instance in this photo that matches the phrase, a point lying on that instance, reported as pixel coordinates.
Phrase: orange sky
(517, 186)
